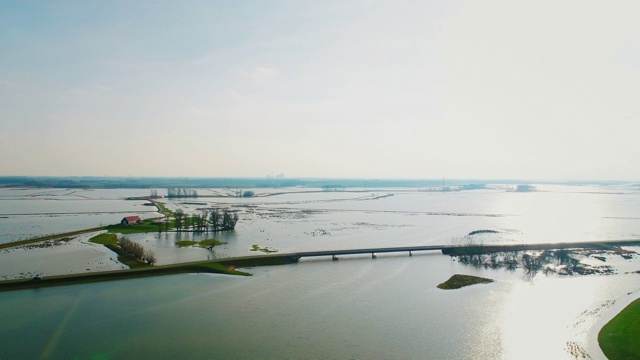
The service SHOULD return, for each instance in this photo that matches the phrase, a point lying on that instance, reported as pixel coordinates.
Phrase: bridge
(373, 251)
(228, 265)
(275, 259)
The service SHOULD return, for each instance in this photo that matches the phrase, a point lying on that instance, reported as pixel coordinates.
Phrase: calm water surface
(353, 308)
(357, 307)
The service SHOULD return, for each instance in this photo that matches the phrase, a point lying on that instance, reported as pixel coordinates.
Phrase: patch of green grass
(105, 239)
(204, 243)
(620, 337)
(185, 243)
(211, 242)
(110, 240)
(457, 281)
(144, 227)
(265, 249)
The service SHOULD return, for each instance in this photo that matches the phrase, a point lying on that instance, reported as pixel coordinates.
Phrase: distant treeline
(181, 192)
(214, 220)
(150, 182)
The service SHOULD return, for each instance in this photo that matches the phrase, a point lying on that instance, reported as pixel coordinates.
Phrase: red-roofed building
(130, 220)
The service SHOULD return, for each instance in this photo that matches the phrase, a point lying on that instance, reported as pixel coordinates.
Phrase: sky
(541, 89)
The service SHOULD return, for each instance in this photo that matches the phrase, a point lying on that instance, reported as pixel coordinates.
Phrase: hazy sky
(374, 89)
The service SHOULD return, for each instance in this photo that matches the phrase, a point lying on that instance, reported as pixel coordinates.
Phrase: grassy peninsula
(110, 241)
(620, 337)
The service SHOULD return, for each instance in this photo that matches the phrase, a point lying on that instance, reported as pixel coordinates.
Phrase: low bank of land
(195, 267)
(457, 281)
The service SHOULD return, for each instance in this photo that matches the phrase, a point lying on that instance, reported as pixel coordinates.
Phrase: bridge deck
(278, 259)
(268, 259)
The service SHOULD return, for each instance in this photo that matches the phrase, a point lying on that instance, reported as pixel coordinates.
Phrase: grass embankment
(162, 207)
(196, 267)
(457, 281)
(620, 337)
(259, 260)
(111, 242)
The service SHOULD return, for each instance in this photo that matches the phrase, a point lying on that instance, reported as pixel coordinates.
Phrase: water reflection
(559, 261)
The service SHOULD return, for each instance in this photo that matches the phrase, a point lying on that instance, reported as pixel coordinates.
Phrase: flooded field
(28, 213)
(357, 307)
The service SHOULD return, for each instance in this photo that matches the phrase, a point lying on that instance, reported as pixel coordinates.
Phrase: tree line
(180, 192)
(136, 250)
(206, 220)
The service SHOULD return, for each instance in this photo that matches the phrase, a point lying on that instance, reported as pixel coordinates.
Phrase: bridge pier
(334, 257)
(373, 255)
(410, 254)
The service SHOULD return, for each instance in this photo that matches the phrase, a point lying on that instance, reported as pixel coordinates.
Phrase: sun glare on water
(542, 318)
(557, 217)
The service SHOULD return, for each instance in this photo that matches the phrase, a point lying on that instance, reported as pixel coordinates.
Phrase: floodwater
(357, 307)
(28, 213)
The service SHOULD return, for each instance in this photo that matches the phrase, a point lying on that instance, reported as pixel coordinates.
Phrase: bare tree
(150, 257)
(179, 215)
(202, 220)
(131, 247)
(214, 219)
(167, 219)
(229, 220)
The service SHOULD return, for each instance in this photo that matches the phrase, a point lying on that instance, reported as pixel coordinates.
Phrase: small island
(457, 281)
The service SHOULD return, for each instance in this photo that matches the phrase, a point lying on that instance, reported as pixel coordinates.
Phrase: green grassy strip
(162, 207)
(185, 243)
(204, 243)
(145, 227)
(105, 239)
(620, 337)
(202, 267)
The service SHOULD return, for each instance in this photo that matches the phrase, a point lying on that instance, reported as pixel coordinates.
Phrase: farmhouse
(130, 220)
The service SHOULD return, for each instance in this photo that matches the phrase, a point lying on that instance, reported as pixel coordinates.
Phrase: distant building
(130, 220)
